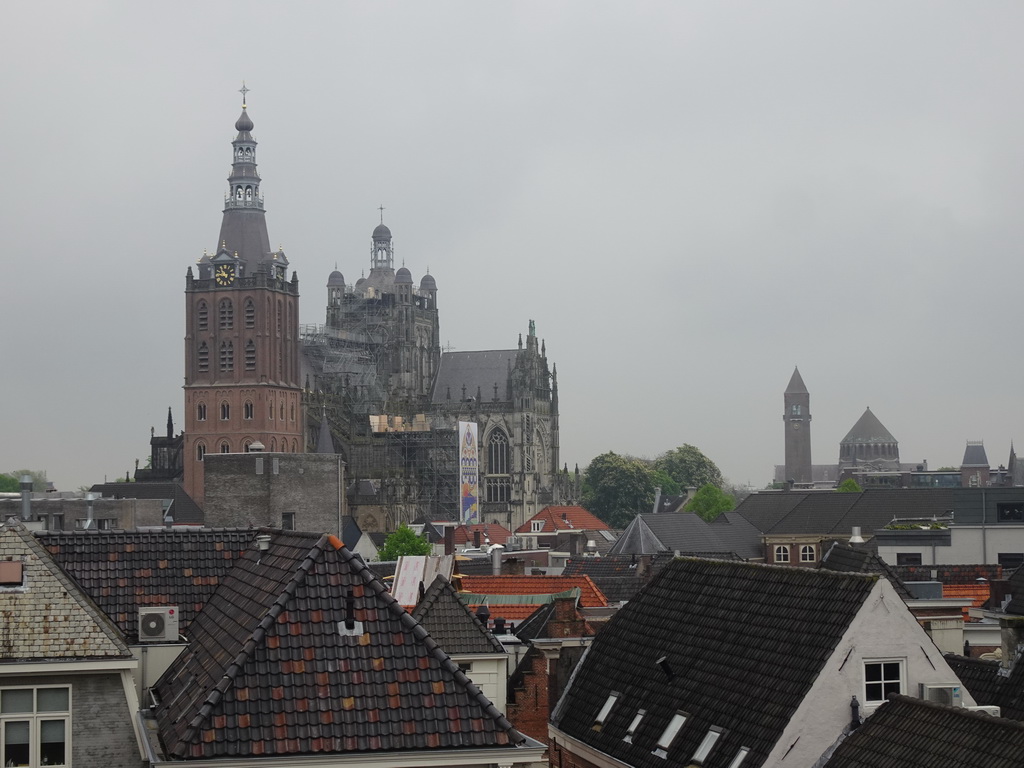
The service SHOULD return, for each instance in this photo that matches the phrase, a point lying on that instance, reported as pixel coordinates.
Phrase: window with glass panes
(35, 726)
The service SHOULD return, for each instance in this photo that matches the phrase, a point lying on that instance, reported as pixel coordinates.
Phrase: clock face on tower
(225, 274)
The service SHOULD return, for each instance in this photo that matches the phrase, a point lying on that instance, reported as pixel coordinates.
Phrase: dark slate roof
(868, 429)
(911, 733)
(831, 513)
(183, 509)
(989, 684)
(974, 455)
(451, 623)
(847, 558)
(796, 384)
(687, 532)
(477, 370)
(1016, 587)
(270, 671)
(124, 570)
(615, 575)
(534, 625)
(724, 630)
(950, 574)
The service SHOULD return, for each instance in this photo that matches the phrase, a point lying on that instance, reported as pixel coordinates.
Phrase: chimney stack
(26, 498)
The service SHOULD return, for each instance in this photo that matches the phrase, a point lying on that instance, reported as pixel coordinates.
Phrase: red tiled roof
(978, 594)
(590, 595)
(564, 519)
(498, 534)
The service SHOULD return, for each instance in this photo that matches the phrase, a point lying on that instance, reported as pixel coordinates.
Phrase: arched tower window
(273, 445)
(204, 358)
(227, 356)
(238, 194)
(200, 451)
(225, 447)
(250, 313)
(271, 410)
(227, 315)
(202, 316)
(250, 356)
(248, 193)
(248, 410)
(245, 445)
(225, 411)
(201, 412)
(295, 446)
(497, 453)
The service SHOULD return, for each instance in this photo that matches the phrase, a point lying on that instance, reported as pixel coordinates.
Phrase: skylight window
(706, 746)
(605, 710)
(671, 731)
(628, 738)
(740, 756)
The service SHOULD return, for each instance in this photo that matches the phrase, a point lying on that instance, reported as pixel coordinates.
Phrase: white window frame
(675, 725)
(35, 718)
(628, 738)
(781, 553)
(808, 553)
(710, 739)
(606, 708)
(901, 679)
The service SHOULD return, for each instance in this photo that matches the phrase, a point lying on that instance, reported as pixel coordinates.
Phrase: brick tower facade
(797, 417)
(241, 332)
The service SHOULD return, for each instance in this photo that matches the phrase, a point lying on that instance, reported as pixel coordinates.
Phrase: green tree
(618, 488)
(39, 481)
(709, 502)
(689, 467)
(661, 479)
(9, 484)
(403, 542)
(849, 485)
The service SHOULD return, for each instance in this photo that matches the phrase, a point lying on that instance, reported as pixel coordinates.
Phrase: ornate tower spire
(382, 254)
(243, 230)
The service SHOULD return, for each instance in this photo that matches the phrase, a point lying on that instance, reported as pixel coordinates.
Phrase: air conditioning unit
(942, 693)
(988, 709)
(158, 624)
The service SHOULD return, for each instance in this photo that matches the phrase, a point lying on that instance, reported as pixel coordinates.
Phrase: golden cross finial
(243, 90)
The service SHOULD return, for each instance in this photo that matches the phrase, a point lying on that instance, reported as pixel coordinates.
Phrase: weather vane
(243, 90)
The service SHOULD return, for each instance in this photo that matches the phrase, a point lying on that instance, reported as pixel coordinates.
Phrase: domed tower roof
(428, 283)
(403, 276)
(381, 232)
(336, 278)
(244, 123)
(868, 429)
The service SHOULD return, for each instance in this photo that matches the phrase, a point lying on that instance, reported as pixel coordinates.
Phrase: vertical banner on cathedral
(469, 473)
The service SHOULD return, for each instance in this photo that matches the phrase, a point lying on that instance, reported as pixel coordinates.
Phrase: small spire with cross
(243, 90)
(381, 209)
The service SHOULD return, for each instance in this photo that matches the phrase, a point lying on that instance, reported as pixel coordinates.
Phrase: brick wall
(530, 707)
(560, 757)
(101, 725)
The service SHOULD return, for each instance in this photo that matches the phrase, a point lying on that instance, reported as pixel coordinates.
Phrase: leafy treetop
(709, 502)
(689, 467)
(402, 542)
(849, 485)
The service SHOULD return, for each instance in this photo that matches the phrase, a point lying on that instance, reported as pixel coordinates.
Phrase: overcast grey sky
(688, 198)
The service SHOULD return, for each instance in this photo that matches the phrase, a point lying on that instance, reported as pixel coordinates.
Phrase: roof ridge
(440, 586)
(70, 584)
(259, 632)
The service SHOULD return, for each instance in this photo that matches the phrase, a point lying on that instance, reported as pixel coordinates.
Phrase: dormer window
(628, 738)
(606, 709)
(536, 526)
(807, 554)
(670, 733)
(707, 745)
(781, 554)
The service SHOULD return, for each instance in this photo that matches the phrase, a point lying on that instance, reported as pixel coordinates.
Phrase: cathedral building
(242, 383)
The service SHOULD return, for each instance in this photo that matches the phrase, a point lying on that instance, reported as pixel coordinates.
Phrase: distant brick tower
(241, 332)
(797, 417)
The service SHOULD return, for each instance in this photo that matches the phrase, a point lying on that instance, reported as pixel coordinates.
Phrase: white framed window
(669, 734)
(882, 677)
(35, 726)
(536, 526)
(807, 553)
(628, 738)
(706, 745)
(781, 553)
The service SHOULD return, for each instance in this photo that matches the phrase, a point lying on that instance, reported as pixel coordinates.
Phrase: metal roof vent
(855, 537)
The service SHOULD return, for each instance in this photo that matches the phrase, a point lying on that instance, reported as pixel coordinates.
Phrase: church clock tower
(241, 332)
(797, 417)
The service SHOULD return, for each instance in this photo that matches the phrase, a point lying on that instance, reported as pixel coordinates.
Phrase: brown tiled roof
(715, 639)
(124, 570)
(575, 519)
(272, 668)
(451, 623)
(49, 618)
(950, 574)
(590, 595)
(911, 733)
(498, 534)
